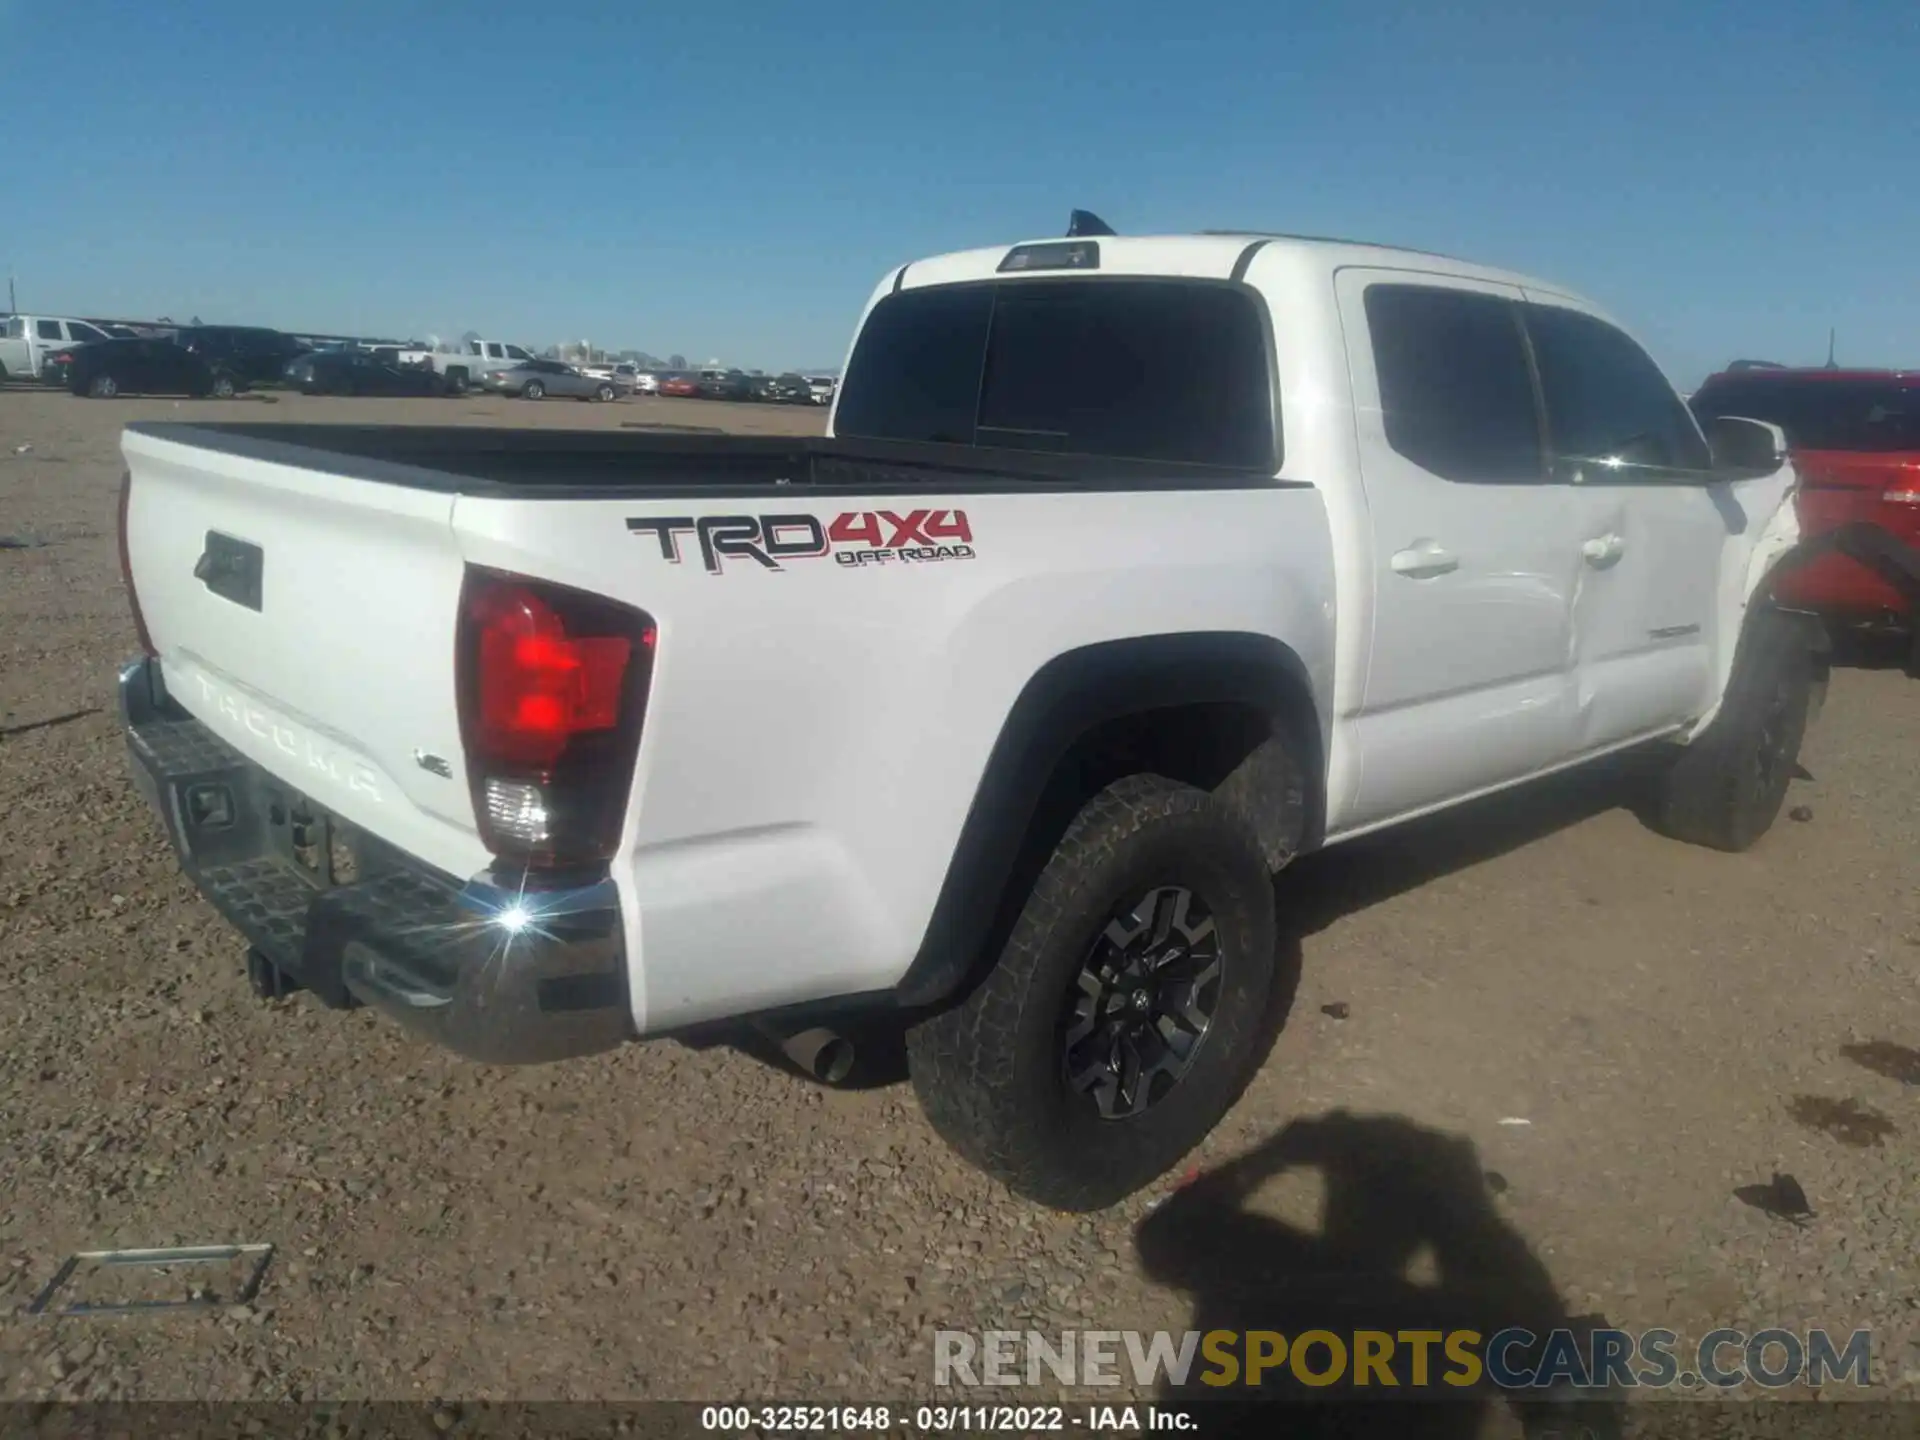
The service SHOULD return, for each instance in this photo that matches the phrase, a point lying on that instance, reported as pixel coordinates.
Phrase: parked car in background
(627, 376)
(29, 339)
(646, 382)
(1855, 440)
(361, 372)
(724, 385)
(537, 379)
(679, 387)
(464, 365)
(108, 368)
(788, 389)
(820, 389)
(251, 354)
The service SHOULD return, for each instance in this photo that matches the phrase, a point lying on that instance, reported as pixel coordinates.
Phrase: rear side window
(1606, 399)
(48, 329)
(1456, 393)
(1158, 370)
(1871, 417)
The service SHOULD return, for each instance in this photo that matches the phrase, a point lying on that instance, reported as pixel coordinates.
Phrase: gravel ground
(1673, 1026)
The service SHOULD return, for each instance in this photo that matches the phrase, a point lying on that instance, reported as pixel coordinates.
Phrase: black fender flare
(1063, 701)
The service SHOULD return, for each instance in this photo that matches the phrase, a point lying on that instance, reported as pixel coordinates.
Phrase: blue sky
(729, 180)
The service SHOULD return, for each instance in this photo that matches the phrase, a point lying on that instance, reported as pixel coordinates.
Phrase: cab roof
(1206, 255)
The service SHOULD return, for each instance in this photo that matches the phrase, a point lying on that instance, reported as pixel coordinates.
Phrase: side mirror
(1748, 446)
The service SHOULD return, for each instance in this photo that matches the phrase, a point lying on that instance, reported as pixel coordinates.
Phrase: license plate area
(308, 840)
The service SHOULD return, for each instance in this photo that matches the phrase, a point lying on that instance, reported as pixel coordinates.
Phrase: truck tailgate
(308, 619)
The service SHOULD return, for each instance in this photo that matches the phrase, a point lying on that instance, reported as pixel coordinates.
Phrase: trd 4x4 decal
(856, 538)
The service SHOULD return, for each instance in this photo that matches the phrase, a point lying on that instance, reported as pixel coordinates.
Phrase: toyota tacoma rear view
(1128, 570)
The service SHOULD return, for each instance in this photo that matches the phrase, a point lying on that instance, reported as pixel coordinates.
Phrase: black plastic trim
(1064, 700)
(899, 278)
(606, 465)
(1244, 261)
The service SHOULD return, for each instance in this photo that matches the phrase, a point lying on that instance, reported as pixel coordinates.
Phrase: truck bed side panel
(817, 732)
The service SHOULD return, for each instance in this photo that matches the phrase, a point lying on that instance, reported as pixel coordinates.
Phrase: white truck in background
(464, 364)
(1128, 570)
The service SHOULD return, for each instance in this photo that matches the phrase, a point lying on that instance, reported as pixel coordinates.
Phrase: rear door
(1654, 521)
(1474, 549)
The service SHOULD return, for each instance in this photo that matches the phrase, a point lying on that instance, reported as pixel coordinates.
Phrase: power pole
(1830, 364)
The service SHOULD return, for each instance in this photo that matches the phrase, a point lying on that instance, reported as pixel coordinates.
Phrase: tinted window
(47, 329)
(1164, 370)
(1860, 415)
(1456, 393)
(1605, 396)
(84, 334)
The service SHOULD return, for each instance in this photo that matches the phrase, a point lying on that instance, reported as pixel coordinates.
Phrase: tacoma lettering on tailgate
(309, 751)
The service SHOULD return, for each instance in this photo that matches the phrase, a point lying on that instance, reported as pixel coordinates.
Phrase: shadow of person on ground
(1394, 1191)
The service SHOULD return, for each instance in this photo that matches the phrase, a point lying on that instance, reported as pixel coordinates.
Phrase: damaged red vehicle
(1855, 439)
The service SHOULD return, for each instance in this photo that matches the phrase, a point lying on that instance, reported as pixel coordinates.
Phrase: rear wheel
(533, 390)
(223, 387)
(456, 382)
(605, 392)
(1725, 789)
(1123, 1015)
(103, 387)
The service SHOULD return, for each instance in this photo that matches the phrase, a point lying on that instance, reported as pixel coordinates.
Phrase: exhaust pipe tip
(824, 1054)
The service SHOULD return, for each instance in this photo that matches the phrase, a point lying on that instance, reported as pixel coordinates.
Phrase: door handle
(1603, 549)
(1424, 560)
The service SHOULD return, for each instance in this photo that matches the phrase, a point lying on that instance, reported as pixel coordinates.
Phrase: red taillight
(126, 566)
(553, 688)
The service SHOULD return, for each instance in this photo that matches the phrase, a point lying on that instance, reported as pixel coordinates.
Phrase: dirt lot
(1628, 1031)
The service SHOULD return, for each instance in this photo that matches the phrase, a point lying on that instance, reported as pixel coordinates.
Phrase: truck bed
(602, 464)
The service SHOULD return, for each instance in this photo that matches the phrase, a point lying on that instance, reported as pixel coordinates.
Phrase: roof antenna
(1830, 364)
(1085, 222)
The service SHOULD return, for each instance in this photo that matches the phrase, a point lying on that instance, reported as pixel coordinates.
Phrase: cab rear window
(1138, 369)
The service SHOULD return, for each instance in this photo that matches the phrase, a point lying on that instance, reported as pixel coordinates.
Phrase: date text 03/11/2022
(945, 1419)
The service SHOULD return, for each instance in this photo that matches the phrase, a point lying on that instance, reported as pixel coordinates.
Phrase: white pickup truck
(1129, 569)
(464, 366)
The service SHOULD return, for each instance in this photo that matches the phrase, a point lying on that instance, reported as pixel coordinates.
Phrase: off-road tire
(1726, 788)
(990, 1072)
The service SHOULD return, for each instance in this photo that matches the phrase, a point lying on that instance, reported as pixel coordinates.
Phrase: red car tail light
(553, 689)
(126, 566)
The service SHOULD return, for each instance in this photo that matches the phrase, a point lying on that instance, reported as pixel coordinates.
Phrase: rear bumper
(499, 977)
